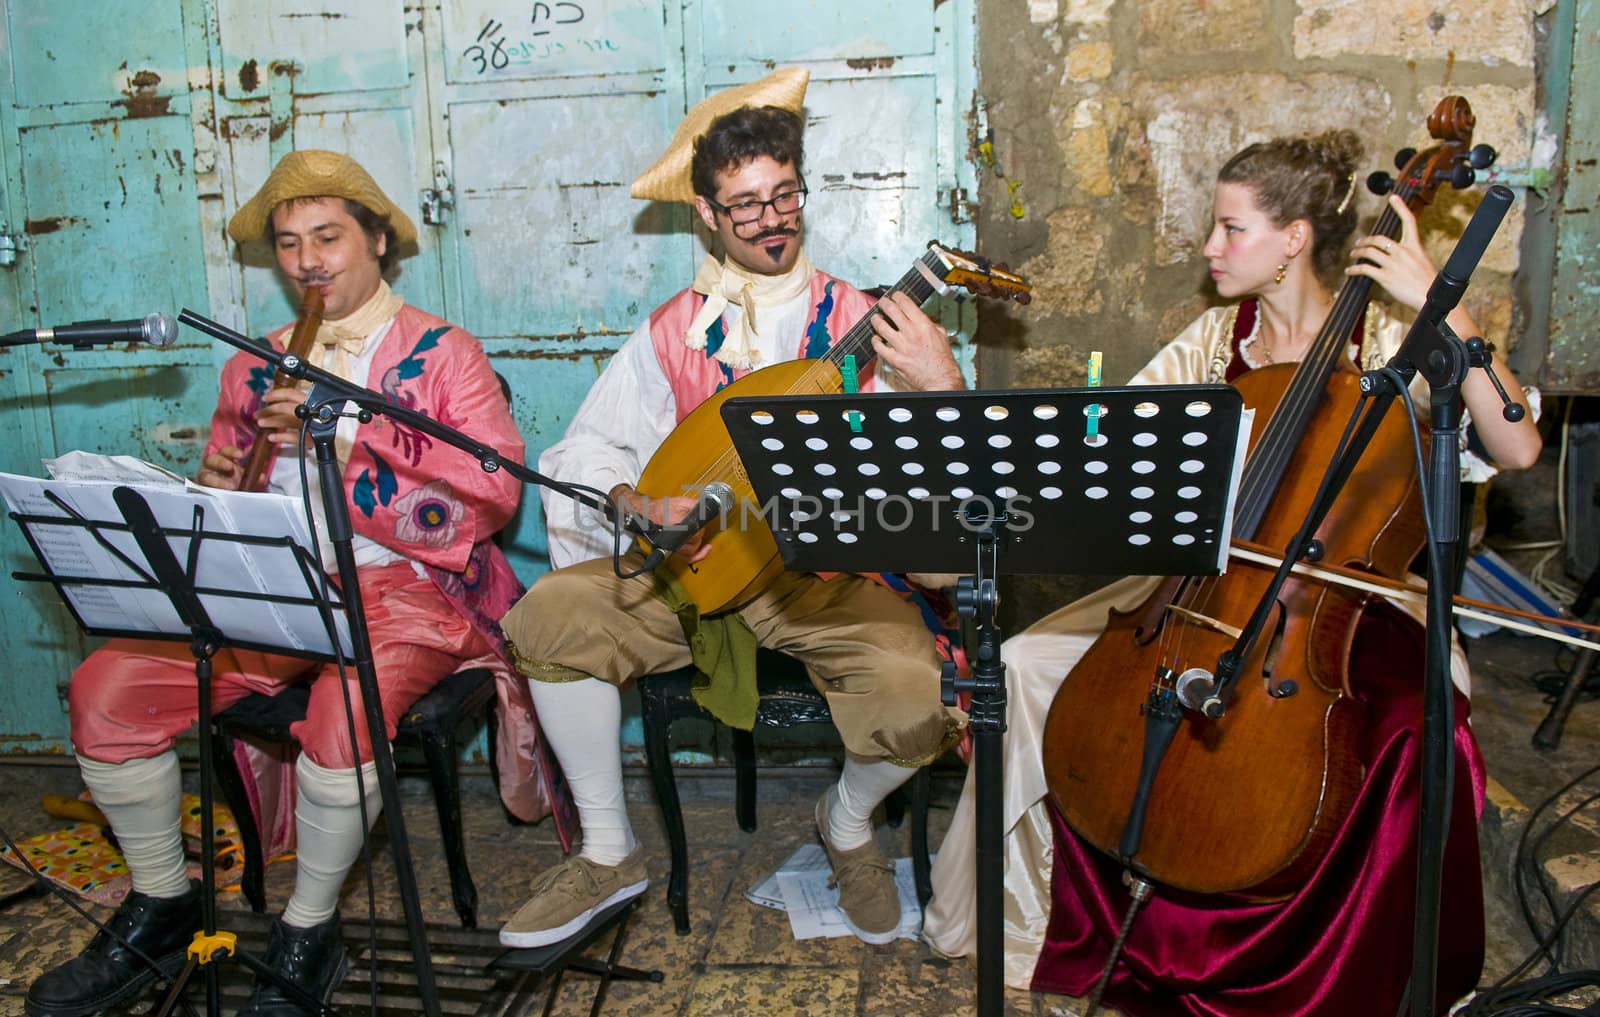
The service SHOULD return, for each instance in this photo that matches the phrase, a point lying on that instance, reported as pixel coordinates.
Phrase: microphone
(156, 329)
(716, 499)
(1451, 282)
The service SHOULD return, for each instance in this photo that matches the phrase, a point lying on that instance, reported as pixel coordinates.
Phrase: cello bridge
(1206, 621)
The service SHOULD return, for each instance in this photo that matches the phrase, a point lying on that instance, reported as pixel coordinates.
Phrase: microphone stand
(328, 394)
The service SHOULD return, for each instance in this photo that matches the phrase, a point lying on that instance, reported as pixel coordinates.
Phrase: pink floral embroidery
(428, 515)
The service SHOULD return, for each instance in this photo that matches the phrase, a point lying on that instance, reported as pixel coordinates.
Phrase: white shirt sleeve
(625, 417)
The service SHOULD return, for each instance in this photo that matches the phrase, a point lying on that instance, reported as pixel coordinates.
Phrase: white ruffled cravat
(349, 334)
(724, 284)
(340, 344)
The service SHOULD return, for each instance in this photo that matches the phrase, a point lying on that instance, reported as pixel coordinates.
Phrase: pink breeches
(133, 697)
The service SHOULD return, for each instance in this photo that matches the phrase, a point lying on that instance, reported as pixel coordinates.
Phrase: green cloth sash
(723, 648)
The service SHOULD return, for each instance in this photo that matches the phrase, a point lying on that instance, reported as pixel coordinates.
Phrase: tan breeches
(867, 650)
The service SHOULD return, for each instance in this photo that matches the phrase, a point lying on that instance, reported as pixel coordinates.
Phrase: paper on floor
(800, 887)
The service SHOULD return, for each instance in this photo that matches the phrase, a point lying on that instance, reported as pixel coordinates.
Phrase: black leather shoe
(312, 959)
(108, 973)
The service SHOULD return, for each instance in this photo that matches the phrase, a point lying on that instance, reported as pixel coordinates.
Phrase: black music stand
(221, 574)
(1114, 481)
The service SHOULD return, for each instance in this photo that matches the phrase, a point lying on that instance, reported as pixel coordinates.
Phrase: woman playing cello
(1340, 943)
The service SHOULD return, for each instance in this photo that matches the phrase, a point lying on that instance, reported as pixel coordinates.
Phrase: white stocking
(328, 836)
(142, 799)
(582, 721)
(862, 787)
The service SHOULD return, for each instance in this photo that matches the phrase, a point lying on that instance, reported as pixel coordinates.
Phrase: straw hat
(668, 179)
(314, 173)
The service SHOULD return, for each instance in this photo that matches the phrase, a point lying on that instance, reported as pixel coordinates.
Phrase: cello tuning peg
(1482, 156)
(1462, 176)
(1380, 183)
(1404, 156)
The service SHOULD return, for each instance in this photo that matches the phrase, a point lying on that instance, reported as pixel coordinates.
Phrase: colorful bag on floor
(80, 858)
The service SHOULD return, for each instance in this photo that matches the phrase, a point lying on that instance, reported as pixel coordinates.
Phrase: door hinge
(11, 244)
(438, 200)
(956, 200)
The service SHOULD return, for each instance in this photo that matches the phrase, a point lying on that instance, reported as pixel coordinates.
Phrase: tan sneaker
(867, 894)
(566, 896)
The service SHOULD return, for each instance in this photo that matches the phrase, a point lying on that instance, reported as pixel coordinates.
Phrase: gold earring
(1282, 271)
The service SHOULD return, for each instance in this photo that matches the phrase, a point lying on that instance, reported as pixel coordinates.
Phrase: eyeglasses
(747, 212)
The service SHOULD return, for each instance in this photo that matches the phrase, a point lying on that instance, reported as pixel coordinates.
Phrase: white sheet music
(232, 572)
(800, 887)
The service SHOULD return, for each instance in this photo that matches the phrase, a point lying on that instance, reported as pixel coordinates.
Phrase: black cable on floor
(1506, 998)
(1527, 999)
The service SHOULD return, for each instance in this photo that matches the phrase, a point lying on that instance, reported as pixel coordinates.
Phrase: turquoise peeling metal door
(102, 198)
(510, 131)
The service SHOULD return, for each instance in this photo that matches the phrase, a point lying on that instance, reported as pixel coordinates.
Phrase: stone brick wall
(1107, 121)
(1109, 118)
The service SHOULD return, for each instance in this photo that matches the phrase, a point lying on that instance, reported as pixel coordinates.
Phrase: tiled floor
(742, 959)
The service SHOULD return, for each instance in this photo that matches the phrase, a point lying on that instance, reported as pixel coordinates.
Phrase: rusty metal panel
(133, 401)
(1572, 359)
(551, 244)
(98, 147)
(487, 40)
(111, 218)
(870, 35)
(94, 50)
(37, 635)
(111, 224)
(331, 47)
(153, 404)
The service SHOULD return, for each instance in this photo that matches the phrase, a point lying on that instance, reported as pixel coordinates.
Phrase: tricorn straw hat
(315, 173)
(668, 178)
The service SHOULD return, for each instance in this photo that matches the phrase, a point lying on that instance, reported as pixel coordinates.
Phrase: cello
(1282, 762)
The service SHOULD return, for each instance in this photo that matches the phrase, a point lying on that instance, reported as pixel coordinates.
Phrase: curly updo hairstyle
(1306, 178)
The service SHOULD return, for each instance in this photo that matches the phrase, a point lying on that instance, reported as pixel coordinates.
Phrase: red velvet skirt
(1339, 947)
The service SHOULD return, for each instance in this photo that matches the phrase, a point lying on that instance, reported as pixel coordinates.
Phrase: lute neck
(857, 342)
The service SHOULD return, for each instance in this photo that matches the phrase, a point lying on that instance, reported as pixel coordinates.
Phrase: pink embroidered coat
(435, 504)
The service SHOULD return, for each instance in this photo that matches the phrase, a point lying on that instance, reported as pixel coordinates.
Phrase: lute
(744, 556)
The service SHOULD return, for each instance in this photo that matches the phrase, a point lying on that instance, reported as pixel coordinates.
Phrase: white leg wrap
(582, 721)
(862, 787)
(142, 799)
(329, 835)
